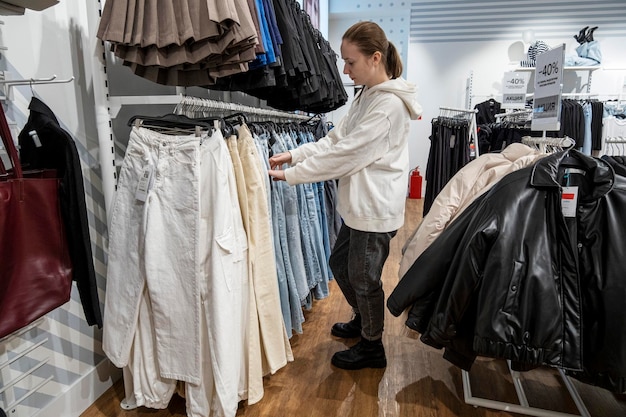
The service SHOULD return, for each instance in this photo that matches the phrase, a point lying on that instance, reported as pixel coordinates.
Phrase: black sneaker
(365, 354)
(348, 330)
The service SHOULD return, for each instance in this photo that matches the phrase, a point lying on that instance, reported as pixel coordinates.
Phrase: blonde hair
(370, 38)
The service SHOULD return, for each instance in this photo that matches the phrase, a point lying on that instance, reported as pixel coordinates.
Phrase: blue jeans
(284, 202)
(321, 289)
(307, 230)
(319, 189)
(357, 262)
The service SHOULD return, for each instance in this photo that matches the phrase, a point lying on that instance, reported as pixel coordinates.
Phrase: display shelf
(566, 68)
(589, 68)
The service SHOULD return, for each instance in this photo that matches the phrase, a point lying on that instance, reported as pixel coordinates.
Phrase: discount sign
(514, 88)
(548, 88)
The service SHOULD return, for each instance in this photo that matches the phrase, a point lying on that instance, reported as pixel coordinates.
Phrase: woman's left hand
(277, 174)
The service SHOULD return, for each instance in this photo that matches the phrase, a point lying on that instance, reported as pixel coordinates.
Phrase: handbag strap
(9, 145)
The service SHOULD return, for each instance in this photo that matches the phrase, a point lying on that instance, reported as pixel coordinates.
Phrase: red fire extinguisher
(415, 184)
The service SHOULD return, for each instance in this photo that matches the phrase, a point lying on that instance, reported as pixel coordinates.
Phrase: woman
(368, 152)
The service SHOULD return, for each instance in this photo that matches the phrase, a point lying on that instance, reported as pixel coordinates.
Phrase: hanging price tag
(548, 88)
(514, 88)
(144, 184)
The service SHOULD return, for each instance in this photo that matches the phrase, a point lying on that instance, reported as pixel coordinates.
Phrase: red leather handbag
(35, 267)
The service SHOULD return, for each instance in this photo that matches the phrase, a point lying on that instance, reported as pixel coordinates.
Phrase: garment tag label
(575, 171)
(145, 182)
(452, 141)
(33, 134)
(569, 201)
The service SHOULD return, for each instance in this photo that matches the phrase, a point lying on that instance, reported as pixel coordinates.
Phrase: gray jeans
(357, 263)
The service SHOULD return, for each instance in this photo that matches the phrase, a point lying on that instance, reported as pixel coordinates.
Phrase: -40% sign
(549, 69)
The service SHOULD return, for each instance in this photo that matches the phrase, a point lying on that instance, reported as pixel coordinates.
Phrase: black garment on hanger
(555, 299)
(54, 148)
(306, 75)
(597, 112)
(487, 111)
(573, 121)
(449, 152)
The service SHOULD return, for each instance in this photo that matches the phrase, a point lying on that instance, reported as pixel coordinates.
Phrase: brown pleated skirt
(166, 22)
(191, 42)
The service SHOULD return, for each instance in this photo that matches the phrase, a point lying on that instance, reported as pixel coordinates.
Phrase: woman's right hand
(277, 161)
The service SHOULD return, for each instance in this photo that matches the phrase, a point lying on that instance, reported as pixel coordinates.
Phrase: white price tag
(35, 137)
(145, 183)
(514, 88)
(569, 201)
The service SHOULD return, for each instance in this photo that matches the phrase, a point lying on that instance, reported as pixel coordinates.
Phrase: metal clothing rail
(458, 110)
(194, 106)
(468, 114)
(547, 144)
(614, 146)
(7, 84)
(525, 112)
(616, 139)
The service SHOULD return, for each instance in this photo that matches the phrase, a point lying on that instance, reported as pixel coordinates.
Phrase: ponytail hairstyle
(370, 38)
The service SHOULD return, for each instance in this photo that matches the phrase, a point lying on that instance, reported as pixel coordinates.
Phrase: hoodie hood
(407, 92)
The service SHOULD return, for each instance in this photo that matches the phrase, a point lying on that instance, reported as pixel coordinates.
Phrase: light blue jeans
(287, 233)
(318, 187)
(309, 254)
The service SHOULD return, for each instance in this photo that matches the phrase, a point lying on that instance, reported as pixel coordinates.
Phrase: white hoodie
(368, 152)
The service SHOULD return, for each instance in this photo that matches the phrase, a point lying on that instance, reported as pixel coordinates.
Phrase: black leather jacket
(57, 150)
(515, 278)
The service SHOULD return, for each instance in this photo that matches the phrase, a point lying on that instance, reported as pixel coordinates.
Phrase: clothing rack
(523, 407)
(200, 107)
(515, 115)
(466, 114)
(547, 145)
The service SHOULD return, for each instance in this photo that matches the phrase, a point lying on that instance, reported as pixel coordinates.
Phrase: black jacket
(54, 148)
(514, 278)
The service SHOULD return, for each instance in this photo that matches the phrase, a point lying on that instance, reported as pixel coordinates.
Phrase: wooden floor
(417, 381)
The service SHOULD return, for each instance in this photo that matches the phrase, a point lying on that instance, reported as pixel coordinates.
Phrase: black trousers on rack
(449, 152)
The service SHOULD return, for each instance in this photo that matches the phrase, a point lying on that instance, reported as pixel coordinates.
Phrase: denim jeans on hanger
(296, 232)
(309, 255)
(320, 291)
(142, 256)
(193, 199)
(309, 219)
(278, 223)
(320, 192)
(285, 205)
